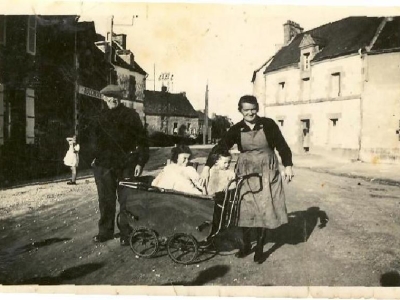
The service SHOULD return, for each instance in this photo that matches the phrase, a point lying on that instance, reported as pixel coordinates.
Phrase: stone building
(334, 89)
(129, 75)
(170, 113)
(43, 61)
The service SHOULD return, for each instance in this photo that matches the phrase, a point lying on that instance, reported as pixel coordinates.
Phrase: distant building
(171, 113)
(129, 75)
(335, 89)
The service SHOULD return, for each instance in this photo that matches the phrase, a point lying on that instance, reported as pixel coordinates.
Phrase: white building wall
(140, 85)
(381, 106)
(335, 120)
(259, 89)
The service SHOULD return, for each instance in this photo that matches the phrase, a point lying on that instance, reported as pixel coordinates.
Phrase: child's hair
(217, 156)
(178, 150)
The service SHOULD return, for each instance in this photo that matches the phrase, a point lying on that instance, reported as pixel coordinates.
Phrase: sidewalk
(381, 173)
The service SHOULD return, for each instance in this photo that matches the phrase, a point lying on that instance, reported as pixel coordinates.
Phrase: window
(306, 61)
(2, 30)
(305, 88)
(281, 92)
(335, 85)
(31, 38)
(334, 136)
(1, 114)
(334, 122)
(30, 116)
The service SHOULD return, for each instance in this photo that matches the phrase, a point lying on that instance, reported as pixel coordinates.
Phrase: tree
(220, 124)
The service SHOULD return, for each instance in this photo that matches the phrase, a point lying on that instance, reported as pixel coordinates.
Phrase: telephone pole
(110, 50)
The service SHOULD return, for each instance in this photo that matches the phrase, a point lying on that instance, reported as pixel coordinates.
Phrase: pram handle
(137, 185)
(235, 201)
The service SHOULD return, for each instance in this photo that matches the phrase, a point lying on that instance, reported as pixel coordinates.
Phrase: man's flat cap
(112, 90)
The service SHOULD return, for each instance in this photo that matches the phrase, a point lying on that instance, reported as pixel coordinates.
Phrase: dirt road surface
(46, 238)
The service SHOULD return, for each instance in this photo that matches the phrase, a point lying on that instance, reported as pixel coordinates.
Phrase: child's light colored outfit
(219, 179)
(179, 178)
(71, 159)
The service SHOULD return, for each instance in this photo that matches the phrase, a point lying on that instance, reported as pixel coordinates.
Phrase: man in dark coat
(121, 151)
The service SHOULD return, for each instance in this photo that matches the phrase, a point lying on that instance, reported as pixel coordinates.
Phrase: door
(305, 123)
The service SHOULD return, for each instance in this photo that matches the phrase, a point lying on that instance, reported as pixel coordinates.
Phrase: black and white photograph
(199, 144)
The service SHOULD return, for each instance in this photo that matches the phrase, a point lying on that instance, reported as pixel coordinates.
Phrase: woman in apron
(262, 203)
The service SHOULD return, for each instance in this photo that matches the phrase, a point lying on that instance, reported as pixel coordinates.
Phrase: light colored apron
(262, 202)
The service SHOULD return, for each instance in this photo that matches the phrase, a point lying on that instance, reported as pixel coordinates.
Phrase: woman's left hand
(288, 174)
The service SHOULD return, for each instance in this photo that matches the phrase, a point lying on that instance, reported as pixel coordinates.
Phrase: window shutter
(31, 42)
(3, 30)
(30, 116)
(1, 114)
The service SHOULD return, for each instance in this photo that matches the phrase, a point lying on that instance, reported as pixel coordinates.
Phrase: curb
(384, 181)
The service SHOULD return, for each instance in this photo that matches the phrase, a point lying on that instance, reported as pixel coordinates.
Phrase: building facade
(44, 59)
(128, 73)
(334, 89)
(170, 113)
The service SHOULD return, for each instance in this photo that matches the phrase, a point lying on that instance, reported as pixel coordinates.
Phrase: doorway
(305, 135)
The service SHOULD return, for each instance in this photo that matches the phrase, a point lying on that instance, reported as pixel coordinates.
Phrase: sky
(216, 43)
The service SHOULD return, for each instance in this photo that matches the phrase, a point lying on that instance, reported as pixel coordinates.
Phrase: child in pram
(178, 175)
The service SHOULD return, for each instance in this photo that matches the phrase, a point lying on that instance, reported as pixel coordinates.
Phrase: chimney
(120, 39)
(290, 30)
(164, 89)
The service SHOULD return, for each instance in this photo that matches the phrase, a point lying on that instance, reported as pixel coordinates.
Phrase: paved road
(48, 241)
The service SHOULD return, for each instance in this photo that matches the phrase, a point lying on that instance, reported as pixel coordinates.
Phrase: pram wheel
(144, 242)
(182, 248)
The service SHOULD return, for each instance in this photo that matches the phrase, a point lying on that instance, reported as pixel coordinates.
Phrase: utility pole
(76, 85)
(205, 127)
(110, 51)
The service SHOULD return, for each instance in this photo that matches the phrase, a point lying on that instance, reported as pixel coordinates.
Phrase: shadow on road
(390, 279)
(298, 230)
(68, 274)
(205, 276)
(41, 244)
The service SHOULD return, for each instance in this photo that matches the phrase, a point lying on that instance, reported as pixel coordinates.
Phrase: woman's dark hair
(178, 150)
(215, 157)
(247, 99)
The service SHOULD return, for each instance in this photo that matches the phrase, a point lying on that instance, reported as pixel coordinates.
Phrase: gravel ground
(46, 231)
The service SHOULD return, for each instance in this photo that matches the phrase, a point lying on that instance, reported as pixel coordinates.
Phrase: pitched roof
(168, 104)
(342, 37)
(134, 67)
(389, 38)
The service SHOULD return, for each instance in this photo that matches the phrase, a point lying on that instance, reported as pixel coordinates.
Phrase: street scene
(51, 226)
(200, 145)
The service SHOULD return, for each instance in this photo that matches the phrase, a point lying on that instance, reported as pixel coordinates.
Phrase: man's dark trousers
(107, 185)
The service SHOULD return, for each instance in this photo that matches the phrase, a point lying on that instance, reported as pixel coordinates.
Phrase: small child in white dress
(178, 175)
(71, 159)
(220, 174)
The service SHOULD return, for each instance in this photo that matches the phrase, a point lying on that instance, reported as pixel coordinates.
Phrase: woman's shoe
(242, 253)
(71, 183)
(258, 254)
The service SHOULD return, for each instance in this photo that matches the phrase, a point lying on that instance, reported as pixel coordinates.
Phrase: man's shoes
(124, 241)
(102, 238)
(242, 253)
(71, 183)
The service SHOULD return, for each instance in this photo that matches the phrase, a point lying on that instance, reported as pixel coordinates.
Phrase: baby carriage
(182, 223)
